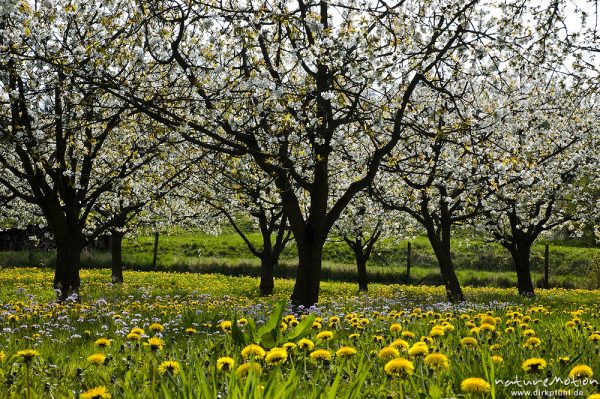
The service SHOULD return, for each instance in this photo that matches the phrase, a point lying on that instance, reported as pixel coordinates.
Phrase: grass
(195, 320)
(477, 263)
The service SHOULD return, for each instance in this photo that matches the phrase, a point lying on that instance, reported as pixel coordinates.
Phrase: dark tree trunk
(267, 266)
(361, 268)
(116, 247)
(363, 247)
(308, 275)
(441, 248)
(520, 253)
(453, 291)
(66, 275)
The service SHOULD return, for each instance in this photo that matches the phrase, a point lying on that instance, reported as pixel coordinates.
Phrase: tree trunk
(453, 291)
(521, 256)
(361, 267)
(267, 266)
(116, 247)
(442, 253)
(308, 275)
(66, 275)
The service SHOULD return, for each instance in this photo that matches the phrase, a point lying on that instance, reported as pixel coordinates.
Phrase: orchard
(295, 124)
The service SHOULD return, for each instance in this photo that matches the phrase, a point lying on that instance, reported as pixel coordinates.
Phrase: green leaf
(238, 336)
(435, 392)
(362, 372)
(268, 334)
(332, 391)
(302, 329)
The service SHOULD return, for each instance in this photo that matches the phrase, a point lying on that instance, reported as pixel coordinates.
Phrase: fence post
(155, 253)
(546, 262)
(408, 256)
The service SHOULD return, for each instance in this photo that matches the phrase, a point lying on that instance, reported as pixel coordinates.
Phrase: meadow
(573, 263)
(182, 335)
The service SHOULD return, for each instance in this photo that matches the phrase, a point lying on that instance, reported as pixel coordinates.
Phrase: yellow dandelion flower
(320, 355)
(399, 368)
(475, 385)
(378, 338)
(425, 340)
(133, 336)
(487, 320)
(225, 326)
(28, 355)
(96, 358)
(594, 396)
(325, 335)
(306, 344)
(96, 393)
(418, 349)
(436, 332)
(581, 371)
(400, 344)
(138, 331)
(387, 353)
(2, 356)
(102, 342)
(169, 367)
(529, 333)
(316, 325)
(346, 351)
(242, 322)
(395, 328)
(534, 365)
(289, 346)
(155, 344)
(244, 369)
(497, 359)
(532, 342)
(276, 356)
(253, 350)
(594, 338)
(225, 364)
(487, 327)
(408, 334)
(468, 341)
(191, 331)
(437, 361)
(564, 360)
(354, 336)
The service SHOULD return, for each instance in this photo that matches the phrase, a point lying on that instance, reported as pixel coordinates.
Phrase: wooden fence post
(546, 263)
(155, 254)
(408, 260)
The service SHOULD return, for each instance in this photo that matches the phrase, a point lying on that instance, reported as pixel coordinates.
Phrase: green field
(168, 335)
(573, 264)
